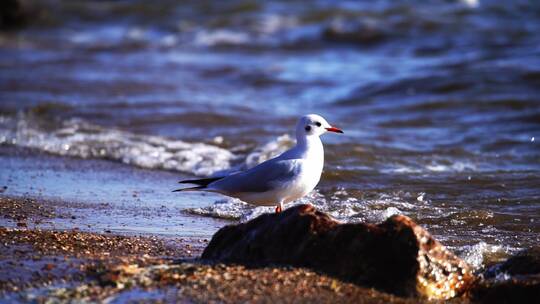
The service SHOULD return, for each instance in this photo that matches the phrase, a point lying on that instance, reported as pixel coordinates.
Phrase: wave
(435, 166)
(78, 138)
(434, 25)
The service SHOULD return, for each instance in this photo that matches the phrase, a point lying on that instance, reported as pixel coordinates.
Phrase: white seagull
(279, 180)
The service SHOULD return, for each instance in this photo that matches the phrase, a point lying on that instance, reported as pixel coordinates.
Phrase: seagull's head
(314, 125)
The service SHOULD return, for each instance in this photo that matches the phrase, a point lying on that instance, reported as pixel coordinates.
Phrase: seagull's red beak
(334, 129)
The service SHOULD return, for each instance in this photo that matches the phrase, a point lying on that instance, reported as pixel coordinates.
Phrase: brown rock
(396, 256)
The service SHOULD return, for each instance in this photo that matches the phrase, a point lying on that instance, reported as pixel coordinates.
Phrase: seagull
(279, 180)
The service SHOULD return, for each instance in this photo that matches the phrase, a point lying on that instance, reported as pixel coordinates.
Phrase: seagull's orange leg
(279, 208)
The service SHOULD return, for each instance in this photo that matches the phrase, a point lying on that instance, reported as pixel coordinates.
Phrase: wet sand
(39, 265)
(134, 201)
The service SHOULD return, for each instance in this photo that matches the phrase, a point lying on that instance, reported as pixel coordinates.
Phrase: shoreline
(40, 264)
(66, 265)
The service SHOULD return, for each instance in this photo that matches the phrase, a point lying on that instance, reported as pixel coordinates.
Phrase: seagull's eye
(318, 124)
(308, 128)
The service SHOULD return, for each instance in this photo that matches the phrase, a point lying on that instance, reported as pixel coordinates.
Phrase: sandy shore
(41, 264)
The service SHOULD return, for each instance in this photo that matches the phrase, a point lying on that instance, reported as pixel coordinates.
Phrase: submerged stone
(396, 256)
(517, 280)
(525, 262)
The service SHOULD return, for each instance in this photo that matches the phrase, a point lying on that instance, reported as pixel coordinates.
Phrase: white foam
(390, 211)
(454, 167)
(81, 139)
(502, 276)
(474, 255)
(402, 169)
(220, 37)
(340, 205)
(273, 23)
(234, 209)
(471, 3)
(433, 166)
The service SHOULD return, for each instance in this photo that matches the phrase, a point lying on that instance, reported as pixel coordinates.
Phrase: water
(439, 101)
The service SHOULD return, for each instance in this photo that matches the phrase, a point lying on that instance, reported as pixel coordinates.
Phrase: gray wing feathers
(261, 178)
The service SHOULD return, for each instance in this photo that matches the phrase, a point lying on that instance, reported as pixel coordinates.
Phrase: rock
(524, 263)
(517, 280)
(396, 256)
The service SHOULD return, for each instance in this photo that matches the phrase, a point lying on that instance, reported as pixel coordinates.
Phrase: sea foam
(77, 138)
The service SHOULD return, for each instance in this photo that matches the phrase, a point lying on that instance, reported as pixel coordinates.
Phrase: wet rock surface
(526, 262)
(396, 256)
(517, 280)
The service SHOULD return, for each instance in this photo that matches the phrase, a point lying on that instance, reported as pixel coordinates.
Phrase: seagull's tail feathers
(190, 189)
(202, 183)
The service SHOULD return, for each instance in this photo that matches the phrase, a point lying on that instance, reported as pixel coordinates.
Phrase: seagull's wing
(264, 177)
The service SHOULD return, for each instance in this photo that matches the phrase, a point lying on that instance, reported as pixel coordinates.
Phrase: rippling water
(440, 102)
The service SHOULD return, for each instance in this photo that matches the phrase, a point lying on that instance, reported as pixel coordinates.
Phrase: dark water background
(440, 102)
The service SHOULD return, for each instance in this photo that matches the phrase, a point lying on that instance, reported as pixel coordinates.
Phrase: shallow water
(439, 102)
